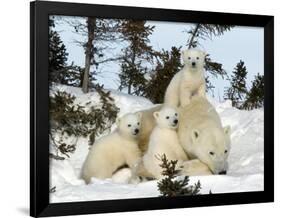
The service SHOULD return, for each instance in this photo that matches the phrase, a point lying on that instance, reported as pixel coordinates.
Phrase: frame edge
(32, 189)
(40, 208)
(269, 109)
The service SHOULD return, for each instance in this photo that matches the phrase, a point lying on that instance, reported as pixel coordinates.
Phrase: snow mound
(246, 158)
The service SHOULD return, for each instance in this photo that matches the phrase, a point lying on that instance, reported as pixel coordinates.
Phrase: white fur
(189, 81)
(147, 125)
(163, 140)
(202, 136)
(114, 150)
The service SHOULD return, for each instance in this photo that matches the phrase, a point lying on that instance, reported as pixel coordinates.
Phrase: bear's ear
(227, 130)
(139, 114)
(183, 53)
(118, 120)
(156, 114)
(195, 135)
(204, 54)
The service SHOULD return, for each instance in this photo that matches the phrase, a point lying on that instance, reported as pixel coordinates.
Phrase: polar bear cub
(163, 140)
(114, 150)
(189, 81)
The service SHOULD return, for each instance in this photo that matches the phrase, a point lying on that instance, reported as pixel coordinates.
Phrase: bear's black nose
(136, 131)
(222, 172)
(175, 121)
(193, 64)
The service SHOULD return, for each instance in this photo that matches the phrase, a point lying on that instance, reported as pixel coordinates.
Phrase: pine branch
(52, 190)
(169, 186)
(205, 31)
(108, 60)
(71, 119)
(194, 33)
(56, 157)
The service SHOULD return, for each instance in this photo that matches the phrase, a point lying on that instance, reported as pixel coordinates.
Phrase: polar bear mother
(200, 133)
(202, 136)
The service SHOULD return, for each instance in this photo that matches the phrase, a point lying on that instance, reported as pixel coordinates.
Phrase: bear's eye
(197, 58)
(189, 58)
(211, 153)
(176, 114)
(225, 151)
(167, 117)
(138, 123)
(129, 125)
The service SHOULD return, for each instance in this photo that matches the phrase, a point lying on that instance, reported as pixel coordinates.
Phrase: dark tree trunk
(91, 23)
(129, 89)
(132, 63)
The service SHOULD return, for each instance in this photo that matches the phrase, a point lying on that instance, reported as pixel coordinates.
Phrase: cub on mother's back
(189, 81)
(114, 150)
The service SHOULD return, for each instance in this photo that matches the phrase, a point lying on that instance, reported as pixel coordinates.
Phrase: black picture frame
(39, 119)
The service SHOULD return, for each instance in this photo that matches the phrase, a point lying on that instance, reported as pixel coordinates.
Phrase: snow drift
(246, 159)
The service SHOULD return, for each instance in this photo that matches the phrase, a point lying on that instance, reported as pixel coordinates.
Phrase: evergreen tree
(169, 186)
(91, 26)
(255, 97)
(237, 90)
(73, 119)
(57, 58)
(98, 32)
(59, 71)
(74, 75)
(203, 32)
(168, 65)
(136, 56)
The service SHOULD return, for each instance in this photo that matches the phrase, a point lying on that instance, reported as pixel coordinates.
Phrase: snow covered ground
(245, 159)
